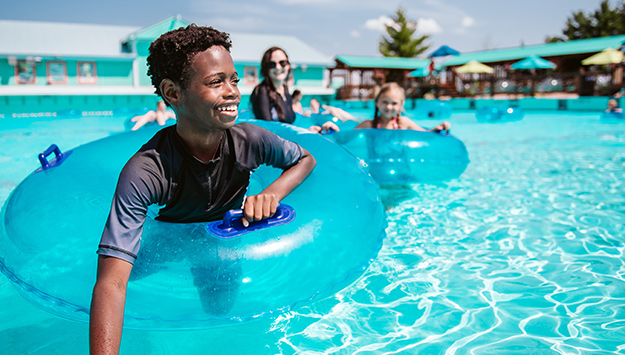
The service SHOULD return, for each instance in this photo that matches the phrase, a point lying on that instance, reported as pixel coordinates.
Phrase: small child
(613, 106)
(389, 103)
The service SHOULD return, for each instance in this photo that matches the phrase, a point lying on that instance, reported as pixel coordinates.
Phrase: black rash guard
(263, 108)
(163, 172)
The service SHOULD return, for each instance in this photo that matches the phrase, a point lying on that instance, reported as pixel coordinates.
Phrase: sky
(333, 27)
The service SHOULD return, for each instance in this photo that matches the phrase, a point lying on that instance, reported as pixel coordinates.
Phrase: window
(57, 73)
(25, 72)
(86, 73)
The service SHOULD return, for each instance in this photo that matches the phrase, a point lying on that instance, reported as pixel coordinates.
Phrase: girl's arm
(365, 124)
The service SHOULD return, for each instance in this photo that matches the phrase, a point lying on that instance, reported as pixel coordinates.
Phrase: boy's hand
(259, 207)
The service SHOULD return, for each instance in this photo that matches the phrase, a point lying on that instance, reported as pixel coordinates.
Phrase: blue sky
(334, 27)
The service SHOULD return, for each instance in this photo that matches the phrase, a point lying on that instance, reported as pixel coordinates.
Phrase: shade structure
(419, 73)
(474, 67)
(444, 51)
(533, 62)
(606, 56)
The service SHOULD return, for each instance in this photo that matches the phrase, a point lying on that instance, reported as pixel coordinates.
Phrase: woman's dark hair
(265, 67)
(171, 54)
(385, 88)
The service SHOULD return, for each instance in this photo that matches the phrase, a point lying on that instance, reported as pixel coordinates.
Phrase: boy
(197, 169)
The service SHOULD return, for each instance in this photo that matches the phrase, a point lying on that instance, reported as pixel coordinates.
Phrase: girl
(389, 104)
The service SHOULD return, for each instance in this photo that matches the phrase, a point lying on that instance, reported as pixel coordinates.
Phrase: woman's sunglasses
(283, 63)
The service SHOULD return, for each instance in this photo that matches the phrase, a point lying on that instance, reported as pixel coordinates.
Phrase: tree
(604, 21)
(401, 41)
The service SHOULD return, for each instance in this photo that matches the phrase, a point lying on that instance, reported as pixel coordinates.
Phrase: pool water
(521, 255)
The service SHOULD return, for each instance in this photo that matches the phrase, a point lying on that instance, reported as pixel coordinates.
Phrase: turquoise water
(521, 255)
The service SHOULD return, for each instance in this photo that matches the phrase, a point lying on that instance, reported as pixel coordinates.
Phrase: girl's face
(279, 66)
(390, 104)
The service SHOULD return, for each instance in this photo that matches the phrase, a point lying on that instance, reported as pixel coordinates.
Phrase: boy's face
(211, 99)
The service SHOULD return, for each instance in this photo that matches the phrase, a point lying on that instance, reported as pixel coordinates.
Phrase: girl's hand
(442, 127)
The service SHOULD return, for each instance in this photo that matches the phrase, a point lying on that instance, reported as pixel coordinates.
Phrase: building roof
(249, 48)
(382, 62)
(53, 39)
(580, 46)
(152, 32)
(246, 47)
(50, 39)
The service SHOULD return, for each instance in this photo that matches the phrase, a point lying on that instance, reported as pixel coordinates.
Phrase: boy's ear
(171, 92)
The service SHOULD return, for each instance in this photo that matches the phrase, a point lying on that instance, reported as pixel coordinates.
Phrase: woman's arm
(261, 106)
(338, 113)
(264, 204)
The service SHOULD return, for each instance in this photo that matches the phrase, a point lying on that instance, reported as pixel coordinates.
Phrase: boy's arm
(264, 204)
(107, 305)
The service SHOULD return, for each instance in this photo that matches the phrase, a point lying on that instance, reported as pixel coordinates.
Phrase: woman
(270, 99)
(389, 104)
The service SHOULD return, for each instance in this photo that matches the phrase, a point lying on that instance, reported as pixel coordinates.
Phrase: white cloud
(468, 21)
(379, 24)
(354, 33)
(428, 25)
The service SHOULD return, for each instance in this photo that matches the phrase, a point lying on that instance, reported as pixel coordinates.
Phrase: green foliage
(401, 41)
(605, 21)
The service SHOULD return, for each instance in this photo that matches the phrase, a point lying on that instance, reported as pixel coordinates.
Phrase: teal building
(60, 66)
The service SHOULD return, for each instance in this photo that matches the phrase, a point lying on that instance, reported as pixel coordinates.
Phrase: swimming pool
(522, 254)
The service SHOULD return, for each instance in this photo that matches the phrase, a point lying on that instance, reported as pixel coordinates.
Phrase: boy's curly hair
(171, 53)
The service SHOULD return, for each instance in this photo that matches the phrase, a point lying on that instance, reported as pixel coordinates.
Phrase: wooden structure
(569, 76)
(356, 78)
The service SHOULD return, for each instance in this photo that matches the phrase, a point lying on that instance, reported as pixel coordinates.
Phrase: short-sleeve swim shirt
(163, 172)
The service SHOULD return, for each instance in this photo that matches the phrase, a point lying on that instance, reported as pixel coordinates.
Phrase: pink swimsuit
(395, 121)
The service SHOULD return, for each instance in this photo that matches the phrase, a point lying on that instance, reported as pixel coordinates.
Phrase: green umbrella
(606, 56)
(474, 67)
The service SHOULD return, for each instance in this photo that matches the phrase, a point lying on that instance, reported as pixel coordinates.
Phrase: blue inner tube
(499, 114)
(613, 116)
(53, 220)
(406, 156)
(433, 110)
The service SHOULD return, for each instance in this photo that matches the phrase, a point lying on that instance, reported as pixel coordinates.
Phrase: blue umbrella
(533, 62)
(444, 51)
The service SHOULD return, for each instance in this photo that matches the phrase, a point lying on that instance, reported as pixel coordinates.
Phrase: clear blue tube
(406, 156)
(433, 110)
(53, 220)
(499, 114)
(613, 116)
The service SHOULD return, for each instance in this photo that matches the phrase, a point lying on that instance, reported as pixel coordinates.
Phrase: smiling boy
(197, 169)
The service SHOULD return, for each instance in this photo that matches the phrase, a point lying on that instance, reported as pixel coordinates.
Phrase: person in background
(389, 104)
(271, 100)
(196, 170)
(161, 115)
(296, 97)
(613, 106)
